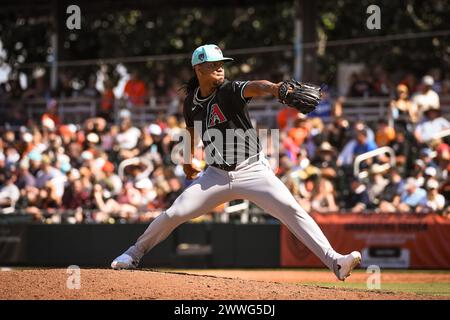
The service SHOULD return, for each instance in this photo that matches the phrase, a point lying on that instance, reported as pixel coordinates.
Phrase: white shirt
(428, 129)
(437, 204)
(57, 177)
(10, 192)
(424, 100)
(129, 139)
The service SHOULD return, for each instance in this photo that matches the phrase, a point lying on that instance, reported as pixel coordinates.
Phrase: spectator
(418, 172)
(366, 142)
(25, 178)
(175, 191)
(286, 117)
(361, 85)
(90, 91)
(325, 158)
(442, 159)
(377, 184)
(359, 198)
(136, 91)
(390, 197)
(336, 133)
(363, 144)
(12, 156)
(148, 194)
(402, 150)
(299, 132)
(432, 124)
(111, 181)
(323, 199)
(402, 111)
(109, 138)
(426, 98)
(50, 173)
(9, 193)
(49, 199)
(435, 202)
(427, 155)
(50, 118)
(383, 85)
(412, 196)
(107, 101)
(75, 196)
(108, 207)
(127, 139)
(385, 134)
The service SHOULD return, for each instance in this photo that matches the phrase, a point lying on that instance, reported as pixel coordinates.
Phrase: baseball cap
(154, 129)
(428, 80)
(430, 171)
(93, 138)
(432, 184)
(208, 53)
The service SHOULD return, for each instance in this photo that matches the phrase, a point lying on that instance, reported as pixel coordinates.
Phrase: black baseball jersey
(226, 130)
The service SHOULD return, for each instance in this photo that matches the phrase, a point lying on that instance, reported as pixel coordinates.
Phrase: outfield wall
(390, 241)
(386, 240)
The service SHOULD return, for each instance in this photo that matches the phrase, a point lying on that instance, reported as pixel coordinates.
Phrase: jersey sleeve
(187, 112)
(235, 89)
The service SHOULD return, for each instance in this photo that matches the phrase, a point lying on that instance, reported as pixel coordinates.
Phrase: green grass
(440, 289)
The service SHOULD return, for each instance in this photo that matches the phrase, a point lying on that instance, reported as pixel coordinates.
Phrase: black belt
(225, 167)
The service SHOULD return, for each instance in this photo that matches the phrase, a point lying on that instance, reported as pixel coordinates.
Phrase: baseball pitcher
(237, 169)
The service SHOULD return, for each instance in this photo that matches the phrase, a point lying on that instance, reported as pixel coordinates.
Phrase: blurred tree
(344, 20)
(118, 31)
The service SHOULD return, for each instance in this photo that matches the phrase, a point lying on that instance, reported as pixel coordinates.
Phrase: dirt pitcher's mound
(142, 284)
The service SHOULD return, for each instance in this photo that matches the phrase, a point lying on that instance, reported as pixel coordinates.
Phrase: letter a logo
(216, 116)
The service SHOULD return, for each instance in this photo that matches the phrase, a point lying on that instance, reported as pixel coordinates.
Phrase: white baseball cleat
(124, 261)
(344, 266)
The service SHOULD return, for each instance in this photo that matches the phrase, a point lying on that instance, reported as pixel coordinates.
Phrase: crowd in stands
(106, 172)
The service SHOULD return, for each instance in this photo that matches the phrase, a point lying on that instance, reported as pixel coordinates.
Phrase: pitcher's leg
(209, 191)
(269, 193)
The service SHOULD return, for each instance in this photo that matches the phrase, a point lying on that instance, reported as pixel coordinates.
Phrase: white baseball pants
(252, 181)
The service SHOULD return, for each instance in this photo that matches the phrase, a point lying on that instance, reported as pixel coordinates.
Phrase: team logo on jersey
(216, 116)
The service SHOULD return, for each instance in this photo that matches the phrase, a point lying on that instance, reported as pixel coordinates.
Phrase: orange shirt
(384, 137)
(285, 115)
(298, 135)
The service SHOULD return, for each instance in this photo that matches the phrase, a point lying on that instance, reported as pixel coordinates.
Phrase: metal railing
(372, 154)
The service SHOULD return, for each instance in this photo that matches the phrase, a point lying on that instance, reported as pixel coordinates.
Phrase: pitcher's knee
(296, 210)
(177, 216)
